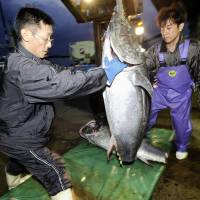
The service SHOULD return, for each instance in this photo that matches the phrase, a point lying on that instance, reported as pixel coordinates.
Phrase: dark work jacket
(29, 86)
(173, 59)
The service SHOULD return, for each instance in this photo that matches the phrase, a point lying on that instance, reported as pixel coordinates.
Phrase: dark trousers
(43, 164)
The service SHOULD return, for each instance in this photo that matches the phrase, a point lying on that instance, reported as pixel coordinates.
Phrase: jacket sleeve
(194, 62)
(43, 83)
(151, 63)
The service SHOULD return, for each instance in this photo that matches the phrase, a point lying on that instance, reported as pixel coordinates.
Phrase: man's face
(39, 40)
(170, 31)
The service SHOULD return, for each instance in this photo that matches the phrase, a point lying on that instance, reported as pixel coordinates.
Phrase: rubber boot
(64, 195)
(14, 181)
(181, 155)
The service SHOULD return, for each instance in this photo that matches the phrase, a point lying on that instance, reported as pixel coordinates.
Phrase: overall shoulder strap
(161, 57)
(183, 50)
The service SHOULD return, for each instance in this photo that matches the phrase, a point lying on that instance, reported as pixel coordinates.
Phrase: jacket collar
(26, 53)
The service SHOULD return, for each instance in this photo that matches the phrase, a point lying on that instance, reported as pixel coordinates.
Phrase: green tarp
(95, 179)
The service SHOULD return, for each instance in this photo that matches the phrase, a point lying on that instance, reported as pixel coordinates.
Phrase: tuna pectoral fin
(142, 81)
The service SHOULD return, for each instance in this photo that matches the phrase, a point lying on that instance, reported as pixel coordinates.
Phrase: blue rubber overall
(174, 91)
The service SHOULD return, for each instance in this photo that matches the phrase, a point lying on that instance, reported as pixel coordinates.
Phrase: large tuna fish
(127, 99)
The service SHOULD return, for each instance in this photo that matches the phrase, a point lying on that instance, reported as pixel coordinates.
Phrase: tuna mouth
(89, 128)
(95, 134)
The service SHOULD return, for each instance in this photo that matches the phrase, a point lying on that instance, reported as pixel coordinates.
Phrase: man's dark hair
(30, 16)
(176, 12)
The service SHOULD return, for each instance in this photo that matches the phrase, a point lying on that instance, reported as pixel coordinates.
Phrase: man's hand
(155, 84)
(112, 68)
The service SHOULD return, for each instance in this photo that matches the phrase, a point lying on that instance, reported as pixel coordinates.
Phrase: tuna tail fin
(120, 8)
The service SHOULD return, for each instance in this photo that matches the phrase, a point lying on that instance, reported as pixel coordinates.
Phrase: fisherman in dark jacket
(30, 85)
(174, 70)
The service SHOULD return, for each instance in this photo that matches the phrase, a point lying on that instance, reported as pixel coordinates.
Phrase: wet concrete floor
(181, 179)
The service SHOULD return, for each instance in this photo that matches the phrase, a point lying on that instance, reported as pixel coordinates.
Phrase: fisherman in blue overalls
(174, 69)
